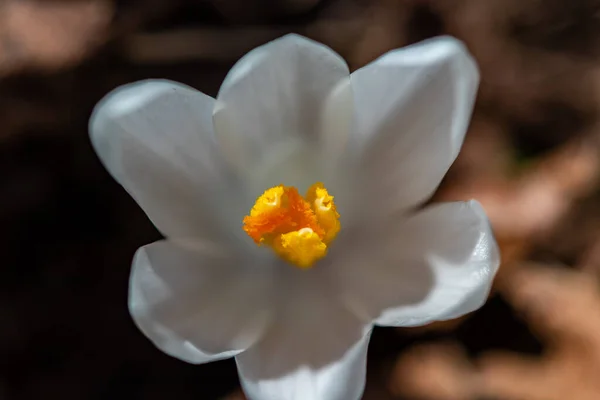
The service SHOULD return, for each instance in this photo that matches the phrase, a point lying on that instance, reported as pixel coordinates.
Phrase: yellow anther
(324, 208)
(299, 230)
(269, 200)
(302, 248)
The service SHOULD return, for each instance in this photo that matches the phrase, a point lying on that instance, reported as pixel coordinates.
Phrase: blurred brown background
(69, 231)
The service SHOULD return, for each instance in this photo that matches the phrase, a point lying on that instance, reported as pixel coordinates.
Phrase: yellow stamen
(324, 208)
(302, 248)
(299, 230)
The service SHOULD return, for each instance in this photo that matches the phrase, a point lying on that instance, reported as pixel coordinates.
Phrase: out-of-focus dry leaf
(562, 307)
(50, 34)
(438, 372)
(591, 258)
(533, 202)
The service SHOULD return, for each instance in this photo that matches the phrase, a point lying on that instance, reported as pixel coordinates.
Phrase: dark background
(69, 231)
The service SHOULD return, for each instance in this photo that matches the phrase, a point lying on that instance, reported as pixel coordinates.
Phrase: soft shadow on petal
(439, 264)
(195, 302)
(315, 350)
(271, 109)
(156, 138)
(413, 107)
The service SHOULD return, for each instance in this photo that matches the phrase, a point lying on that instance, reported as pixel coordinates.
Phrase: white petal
(316, 350)
(195, 303)
(275, 105)
(156, 139)
(413, 107)
(438, 265)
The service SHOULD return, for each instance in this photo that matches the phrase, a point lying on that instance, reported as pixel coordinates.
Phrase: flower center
(299, 229)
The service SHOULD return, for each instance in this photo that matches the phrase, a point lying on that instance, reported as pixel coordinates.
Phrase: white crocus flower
(297, 310)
